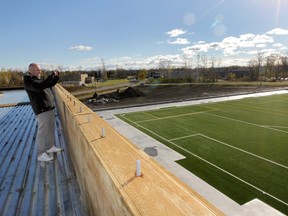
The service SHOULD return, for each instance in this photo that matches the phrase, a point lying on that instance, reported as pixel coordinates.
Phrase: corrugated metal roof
(29, 187)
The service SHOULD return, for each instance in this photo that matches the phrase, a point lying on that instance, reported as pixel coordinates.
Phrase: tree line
(11, 78)
(262, 68)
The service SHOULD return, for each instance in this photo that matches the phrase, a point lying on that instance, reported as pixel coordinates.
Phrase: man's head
(34, 69)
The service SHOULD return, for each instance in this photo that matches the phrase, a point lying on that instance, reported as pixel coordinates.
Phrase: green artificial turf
(239, 147)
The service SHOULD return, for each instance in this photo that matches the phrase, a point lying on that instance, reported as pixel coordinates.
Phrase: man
(42, 102)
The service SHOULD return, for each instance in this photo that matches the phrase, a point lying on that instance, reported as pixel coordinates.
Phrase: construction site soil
(151, 94)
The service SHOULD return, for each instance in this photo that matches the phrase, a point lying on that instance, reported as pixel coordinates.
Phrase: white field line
(248, 107)
(269, 101)
(178, 138)
(174, 116)
(264, 126)
(275, 126)
(148, 114)
(245, 122)
(222, 143)
(264, 192)
(195, 197)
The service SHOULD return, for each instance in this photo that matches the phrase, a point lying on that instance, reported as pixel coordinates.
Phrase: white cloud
(214, 45)
(278, 31)
(232, 50)
(201, 42)
(81, 48)
(251, 52)
(93, 59)
(277, 45)
(267, 52)
(179, 41)
(246, 41)
(234, 61)
(263, 39)
(230, 40)
(261, 45)
(196, 48)
(136, 63)
(246, 37)
(176, 32)
(229, 51)
(245, 45)
(164, 61)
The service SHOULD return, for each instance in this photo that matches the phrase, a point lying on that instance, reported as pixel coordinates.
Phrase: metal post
(103, 133)
(138, 168)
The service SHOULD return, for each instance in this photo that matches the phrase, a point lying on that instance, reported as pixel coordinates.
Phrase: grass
(225, 83)
(108, 83)
(84, 93)
(239, 147)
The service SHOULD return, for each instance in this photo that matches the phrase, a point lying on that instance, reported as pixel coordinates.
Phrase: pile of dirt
(130, 92)
(114, 97)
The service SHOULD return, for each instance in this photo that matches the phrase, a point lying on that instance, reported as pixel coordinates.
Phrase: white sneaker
(44, 157)
(54, 149)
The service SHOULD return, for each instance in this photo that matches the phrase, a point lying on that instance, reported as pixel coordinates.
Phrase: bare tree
(255, 66)
(165, 65)
(103, 70)
(185, 60)
(284, 65)
(270, 66)
(60, 67)
(198, 65)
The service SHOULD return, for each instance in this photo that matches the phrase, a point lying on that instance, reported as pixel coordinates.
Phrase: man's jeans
(45, 138)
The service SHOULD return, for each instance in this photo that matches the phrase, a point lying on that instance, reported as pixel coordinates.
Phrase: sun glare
(277, 12)
(274, 5)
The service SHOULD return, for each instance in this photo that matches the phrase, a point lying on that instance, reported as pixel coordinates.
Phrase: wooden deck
(29, 187)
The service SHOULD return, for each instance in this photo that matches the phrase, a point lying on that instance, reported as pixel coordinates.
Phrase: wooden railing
(105, 166)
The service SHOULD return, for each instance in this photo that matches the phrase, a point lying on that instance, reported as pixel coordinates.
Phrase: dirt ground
(173, 93)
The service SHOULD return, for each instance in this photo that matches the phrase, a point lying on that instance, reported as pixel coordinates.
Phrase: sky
(133, 34)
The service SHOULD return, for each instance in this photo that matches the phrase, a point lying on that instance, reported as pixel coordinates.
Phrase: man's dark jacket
(37, 91)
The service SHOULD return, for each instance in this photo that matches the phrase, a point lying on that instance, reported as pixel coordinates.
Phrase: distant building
(76, 80)
(89, 79)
